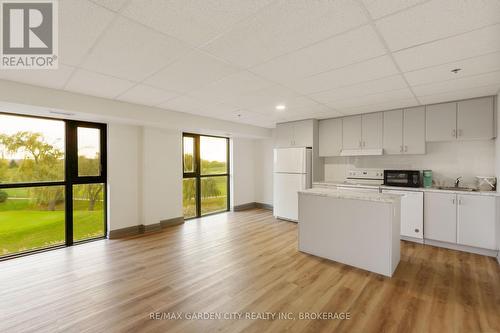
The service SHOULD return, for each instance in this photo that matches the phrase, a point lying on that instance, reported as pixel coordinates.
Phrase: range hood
(362, 152)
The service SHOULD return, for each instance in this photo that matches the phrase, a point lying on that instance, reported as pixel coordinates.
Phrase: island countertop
(352, 194)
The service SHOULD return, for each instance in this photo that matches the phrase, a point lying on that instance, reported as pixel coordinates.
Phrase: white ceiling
(237, 59)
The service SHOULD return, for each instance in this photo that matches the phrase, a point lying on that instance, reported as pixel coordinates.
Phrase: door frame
(197, 175)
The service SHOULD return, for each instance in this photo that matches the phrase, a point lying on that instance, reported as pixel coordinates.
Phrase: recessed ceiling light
(280, 107)
(456, 70)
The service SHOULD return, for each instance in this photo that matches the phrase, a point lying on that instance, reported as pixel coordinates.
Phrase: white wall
(242, 171)
(124, 156)
(161, 175)
(448, 160)
(263, 164)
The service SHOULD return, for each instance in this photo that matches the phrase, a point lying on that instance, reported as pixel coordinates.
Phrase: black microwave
(402, 178)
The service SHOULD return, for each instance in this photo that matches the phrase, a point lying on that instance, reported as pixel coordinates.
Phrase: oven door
(396, 178)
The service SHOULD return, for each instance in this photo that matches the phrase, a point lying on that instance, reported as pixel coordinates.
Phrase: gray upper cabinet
(284, 135)
(393, 132)
(414, 130)
(372, 130)
(441, 122)
(351, 132)
(295, 134)
(404, 131)
(330, 137)
(464, 120)
(475, 119)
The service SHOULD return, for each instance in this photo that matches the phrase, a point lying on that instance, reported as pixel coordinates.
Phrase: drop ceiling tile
(267, 97)
(231, 88)
(294, 104)
(196, 106)
(373, 99)
(146, 95)
(390, 83)
(194, 21)
(461, 94)
(114, 5)
(357, 73)
(131, 51)
(464, 46)
(285, 26)
(468, 82)
(351, 47)
(379, 8)
(191, 72)
(49, 78)
(437, 19)
(472, 66)
(389, 105)
(80, 24)
(95, 84)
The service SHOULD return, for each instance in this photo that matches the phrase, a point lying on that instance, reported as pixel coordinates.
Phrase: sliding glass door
(206, 175)
(52, 183)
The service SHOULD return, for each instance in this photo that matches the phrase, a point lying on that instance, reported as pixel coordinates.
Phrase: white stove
(365, 177)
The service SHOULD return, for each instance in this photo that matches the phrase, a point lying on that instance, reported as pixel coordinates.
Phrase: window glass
(213, 194)
(213, 155)
(188, 146)
(89, 151)
(88, 211)
(31, 149)
(31, 218)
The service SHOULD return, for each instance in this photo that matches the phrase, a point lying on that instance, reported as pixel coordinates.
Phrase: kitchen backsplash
(447, 160)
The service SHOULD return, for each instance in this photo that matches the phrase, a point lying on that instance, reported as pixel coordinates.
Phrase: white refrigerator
(292, 173)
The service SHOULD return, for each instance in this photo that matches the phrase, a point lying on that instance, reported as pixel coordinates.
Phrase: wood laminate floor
(246, 263)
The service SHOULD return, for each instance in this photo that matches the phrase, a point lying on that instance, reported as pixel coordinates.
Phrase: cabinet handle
(454, 133)
(360, 144)
(453, 200)
(400, 149)
(459, 201)
(406, 149)
(459, 132)
(417, 231)
(364, 143)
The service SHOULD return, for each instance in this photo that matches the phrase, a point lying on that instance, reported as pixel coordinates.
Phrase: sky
(211, 149)
(52, 130)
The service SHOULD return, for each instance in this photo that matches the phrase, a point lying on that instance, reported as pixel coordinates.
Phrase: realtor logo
(29, 34)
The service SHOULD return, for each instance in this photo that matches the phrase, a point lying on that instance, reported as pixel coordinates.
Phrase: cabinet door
(372, 130)
(393, 132)
(414, 130)
(441, 122)
(330, 137)
(351, 132)
(440, 217)
(476, 221)
(303, 133)
(475, 119)
(412, 213)
(284, 135)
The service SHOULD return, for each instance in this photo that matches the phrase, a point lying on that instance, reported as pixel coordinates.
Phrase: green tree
(42, 162)
(209, 188)
(12, 164)
(91, 192)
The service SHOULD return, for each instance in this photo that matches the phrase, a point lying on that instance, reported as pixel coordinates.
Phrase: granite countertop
(352, 194)
(417, 189)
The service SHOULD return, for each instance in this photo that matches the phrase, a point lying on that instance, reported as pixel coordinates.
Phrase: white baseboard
(464, 248)
(412, 239)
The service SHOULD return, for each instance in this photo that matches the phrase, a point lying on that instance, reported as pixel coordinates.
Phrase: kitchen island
(356, 228)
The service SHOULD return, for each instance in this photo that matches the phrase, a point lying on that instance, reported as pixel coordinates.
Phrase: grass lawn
(24, 227)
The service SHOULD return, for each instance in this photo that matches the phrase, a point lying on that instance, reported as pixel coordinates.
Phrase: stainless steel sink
(452, 188)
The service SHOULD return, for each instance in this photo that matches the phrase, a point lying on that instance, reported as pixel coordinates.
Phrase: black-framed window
(52, 183)
(205, 174)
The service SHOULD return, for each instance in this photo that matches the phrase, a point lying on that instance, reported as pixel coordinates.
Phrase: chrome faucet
(457, 182)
